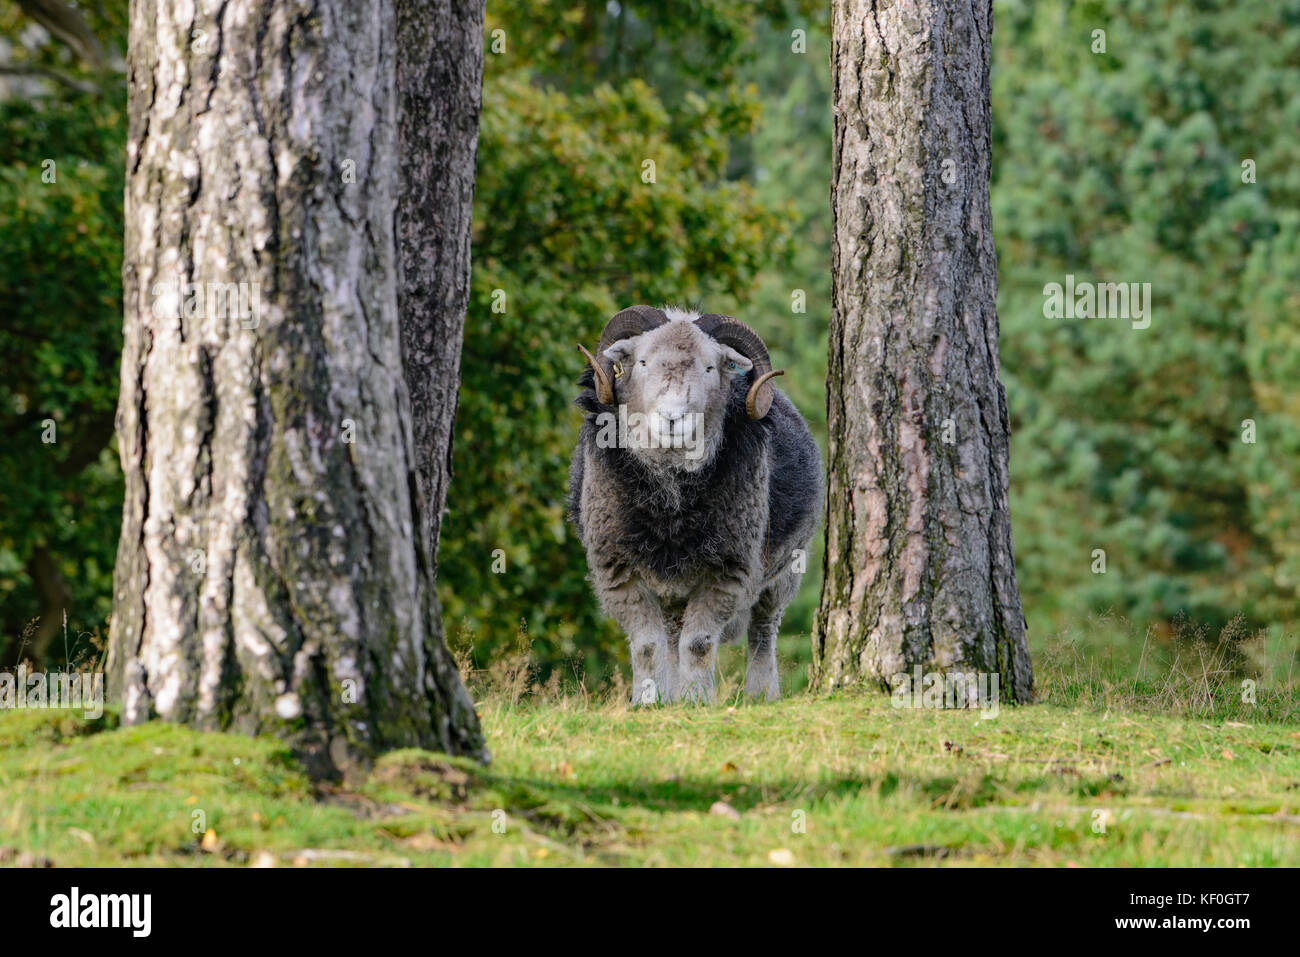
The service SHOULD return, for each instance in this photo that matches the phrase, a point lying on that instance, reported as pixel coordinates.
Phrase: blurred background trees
(1127, 165)
(62, 145)
(1122, 165)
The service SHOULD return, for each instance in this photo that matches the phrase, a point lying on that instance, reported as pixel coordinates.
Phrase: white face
(675, 385)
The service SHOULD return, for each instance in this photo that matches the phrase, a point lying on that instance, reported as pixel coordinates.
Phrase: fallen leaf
(782, 856)
(263, 859)
(424, 841)
(723, 809)
(1228, 754)
(209, 842)
(729, 768)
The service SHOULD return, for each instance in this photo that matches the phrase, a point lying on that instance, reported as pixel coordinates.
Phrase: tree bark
(919, 567)
(440, 81)
(270, 575)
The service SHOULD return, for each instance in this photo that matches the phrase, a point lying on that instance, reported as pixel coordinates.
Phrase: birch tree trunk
(270, 573)
(919, 567)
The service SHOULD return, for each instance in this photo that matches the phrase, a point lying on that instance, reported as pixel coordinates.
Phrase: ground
(1094, 775)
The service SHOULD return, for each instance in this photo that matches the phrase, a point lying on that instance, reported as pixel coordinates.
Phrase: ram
(695, 488)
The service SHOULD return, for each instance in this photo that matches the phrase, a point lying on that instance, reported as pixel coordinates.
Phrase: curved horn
(604, 387)
(734, 333)
(756, 390)
(627, 323)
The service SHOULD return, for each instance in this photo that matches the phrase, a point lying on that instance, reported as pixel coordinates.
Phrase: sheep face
(673, 392)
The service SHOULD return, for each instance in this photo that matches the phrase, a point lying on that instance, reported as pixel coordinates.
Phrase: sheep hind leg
(761, 677)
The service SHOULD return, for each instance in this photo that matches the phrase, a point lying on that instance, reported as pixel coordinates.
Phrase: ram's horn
(759, 394)
(604, 387)
(629, 322)
(734, 333)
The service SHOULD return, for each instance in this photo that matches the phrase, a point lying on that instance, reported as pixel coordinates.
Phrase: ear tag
(618, 370)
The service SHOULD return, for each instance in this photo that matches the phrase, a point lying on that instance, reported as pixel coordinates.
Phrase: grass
(1158, 768)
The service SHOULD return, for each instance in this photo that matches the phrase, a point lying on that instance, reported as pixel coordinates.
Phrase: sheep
(695, 488)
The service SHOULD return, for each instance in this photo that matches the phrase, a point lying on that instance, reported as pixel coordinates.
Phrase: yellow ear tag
(618, 370)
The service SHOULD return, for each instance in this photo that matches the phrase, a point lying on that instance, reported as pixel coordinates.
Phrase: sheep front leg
(706, 617)
(647, 639)
(649, 669)
(698, 660)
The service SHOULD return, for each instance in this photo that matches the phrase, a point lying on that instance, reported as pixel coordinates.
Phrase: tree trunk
(919, 568)
(52, 593)
(439, 82)
(270, 576)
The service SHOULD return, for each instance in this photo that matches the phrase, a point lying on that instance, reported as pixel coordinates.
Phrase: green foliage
(61, 178)
(1126, 166)
(1271, 465)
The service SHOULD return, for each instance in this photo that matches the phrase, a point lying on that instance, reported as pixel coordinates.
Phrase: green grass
(1179, 773)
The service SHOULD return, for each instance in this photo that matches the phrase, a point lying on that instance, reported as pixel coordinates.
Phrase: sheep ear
(622, 350)
(734, 362)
